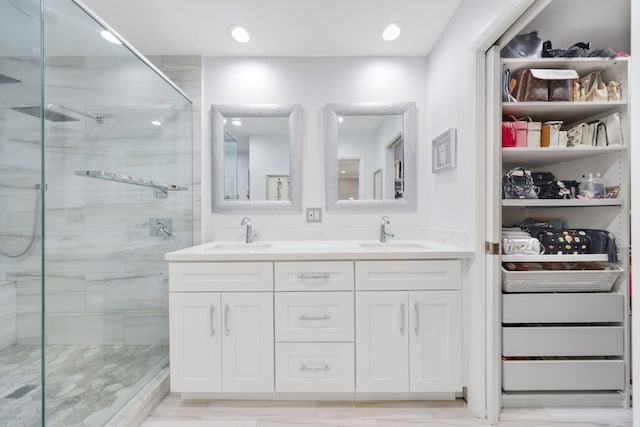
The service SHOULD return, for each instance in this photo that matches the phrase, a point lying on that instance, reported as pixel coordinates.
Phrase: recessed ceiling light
(343, 171)
(240, 34)
(156, 122)
(391, 32)
(236, 122)
(108, 36)
(224, 121)
(340, 119)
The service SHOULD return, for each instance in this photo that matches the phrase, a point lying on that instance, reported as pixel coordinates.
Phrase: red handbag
(514, 132)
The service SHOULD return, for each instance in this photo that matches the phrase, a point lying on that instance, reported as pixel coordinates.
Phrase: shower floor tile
(86, 385)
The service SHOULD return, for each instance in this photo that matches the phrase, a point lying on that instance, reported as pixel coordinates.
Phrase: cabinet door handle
(316, 317)
(315, 369)
(212, 331)
(402, 325)
(417, 326)
(305, 277)
(227, 331)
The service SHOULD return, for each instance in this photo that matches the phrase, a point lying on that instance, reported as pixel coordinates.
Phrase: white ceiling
(279, 27)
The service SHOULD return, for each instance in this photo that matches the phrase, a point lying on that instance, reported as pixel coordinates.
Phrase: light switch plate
(314, 214)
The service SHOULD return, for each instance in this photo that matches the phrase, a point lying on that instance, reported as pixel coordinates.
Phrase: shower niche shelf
(161, 191)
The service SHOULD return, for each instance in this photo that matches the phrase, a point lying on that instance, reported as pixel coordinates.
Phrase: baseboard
(319, 396)
(137, 409)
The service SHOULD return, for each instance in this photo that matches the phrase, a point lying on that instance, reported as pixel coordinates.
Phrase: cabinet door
(382, 346)
(247, 342)
(436, 341)
(195, 337)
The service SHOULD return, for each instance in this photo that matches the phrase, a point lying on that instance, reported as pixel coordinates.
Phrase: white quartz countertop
(318, 250)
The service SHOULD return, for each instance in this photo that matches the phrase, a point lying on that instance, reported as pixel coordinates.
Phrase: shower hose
(33, 230)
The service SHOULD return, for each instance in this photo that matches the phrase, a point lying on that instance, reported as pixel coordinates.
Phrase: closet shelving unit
(569, 349)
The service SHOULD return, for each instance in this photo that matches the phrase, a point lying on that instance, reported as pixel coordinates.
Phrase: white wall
(312, 82)
(359, 146)
(456, 199)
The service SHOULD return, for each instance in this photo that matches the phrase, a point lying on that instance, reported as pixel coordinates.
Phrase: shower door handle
(212, 331)
(227, 331)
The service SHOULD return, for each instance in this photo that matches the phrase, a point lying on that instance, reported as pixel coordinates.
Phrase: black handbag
(517, 183)
(576, 241)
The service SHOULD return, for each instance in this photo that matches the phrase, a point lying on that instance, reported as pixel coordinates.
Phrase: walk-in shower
(87, 185)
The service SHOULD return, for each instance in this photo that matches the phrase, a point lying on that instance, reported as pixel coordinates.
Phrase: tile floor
(173, 412)
(86, 385)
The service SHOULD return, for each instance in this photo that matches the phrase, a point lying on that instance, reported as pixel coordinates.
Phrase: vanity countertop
(318, 250)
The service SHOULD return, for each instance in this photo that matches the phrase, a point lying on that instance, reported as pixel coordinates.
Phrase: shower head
(49, 114)
(52, 115)
(6, 79)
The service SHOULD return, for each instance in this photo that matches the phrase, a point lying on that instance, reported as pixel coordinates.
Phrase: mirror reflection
(256, 158)
(370, 155)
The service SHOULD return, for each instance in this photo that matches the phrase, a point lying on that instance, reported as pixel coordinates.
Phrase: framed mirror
(370, 152)
(256, 151)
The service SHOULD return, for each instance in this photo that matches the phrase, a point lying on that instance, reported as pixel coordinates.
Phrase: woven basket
(561, 280)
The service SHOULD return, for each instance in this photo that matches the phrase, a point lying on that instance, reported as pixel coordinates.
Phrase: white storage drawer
(408, 275)
(530, 375)
(314, 316)
(562, 308)
(318, 367)
(314, 276)
(220, 276)
(562, 341)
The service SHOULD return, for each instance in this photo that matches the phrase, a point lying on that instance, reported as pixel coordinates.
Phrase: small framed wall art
(443, 151)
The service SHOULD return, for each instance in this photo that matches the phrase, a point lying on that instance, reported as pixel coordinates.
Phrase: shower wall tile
(146, 328)
(133, 292)
(28, 328)
(65, 302)
(85, 329)
(8, 333)
(7, 299)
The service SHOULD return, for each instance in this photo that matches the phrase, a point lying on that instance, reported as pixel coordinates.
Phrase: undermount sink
(391, 246)
(241, 246)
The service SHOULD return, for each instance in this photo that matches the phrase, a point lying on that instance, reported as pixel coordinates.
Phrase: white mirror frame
(294, 112)
(408, 112)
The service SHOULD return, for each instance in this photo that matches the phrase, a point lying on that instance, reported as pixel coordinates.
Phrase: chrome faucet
(383, 229)
(249, 235)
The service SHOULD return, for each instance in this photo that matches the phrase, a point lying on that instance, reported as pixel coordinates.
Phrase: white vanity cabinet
(221, 341)
(344, 327)
(408, 340)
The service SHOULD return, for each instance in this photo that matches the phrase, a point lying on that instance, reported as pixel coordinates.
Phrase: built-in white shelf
(554, 258)
(569, 112)
(534, 156)
(559, 203)
(581, 65)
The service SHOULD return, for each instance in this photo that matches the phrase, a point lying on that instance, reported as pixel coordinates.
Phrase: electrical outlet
(314, 215)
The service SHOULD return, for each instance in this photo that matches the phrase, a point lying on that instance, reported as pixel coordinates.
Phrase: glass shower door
(20, 214)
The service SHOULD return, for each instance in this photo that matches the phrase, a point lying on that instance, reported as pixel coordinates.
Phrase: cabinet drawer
(562, 341)
(220, 276)
(410, 275)
(314, 316)
(562, 308)
(314, 276)
(529, 375)
(318, 367)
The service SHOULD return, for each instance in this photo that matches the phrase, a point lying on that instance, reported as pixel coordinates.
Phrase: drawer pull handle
(306, 368)
(417, 326)
(212, 331)
(402, 319)
(227, 330)
(312, 317)
(304, 277)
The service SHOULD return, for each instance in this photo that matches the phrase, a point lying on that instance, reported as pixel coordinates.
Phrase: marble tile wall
(106, 277)
(7, 314)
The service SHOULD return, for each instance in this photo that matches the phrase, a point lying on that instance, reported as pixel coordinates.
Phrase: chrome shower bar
(161, 190)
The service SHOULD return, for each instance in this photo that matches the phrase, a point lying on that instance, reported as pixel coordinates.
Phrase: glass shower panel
(118, 174)
(20, 214)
